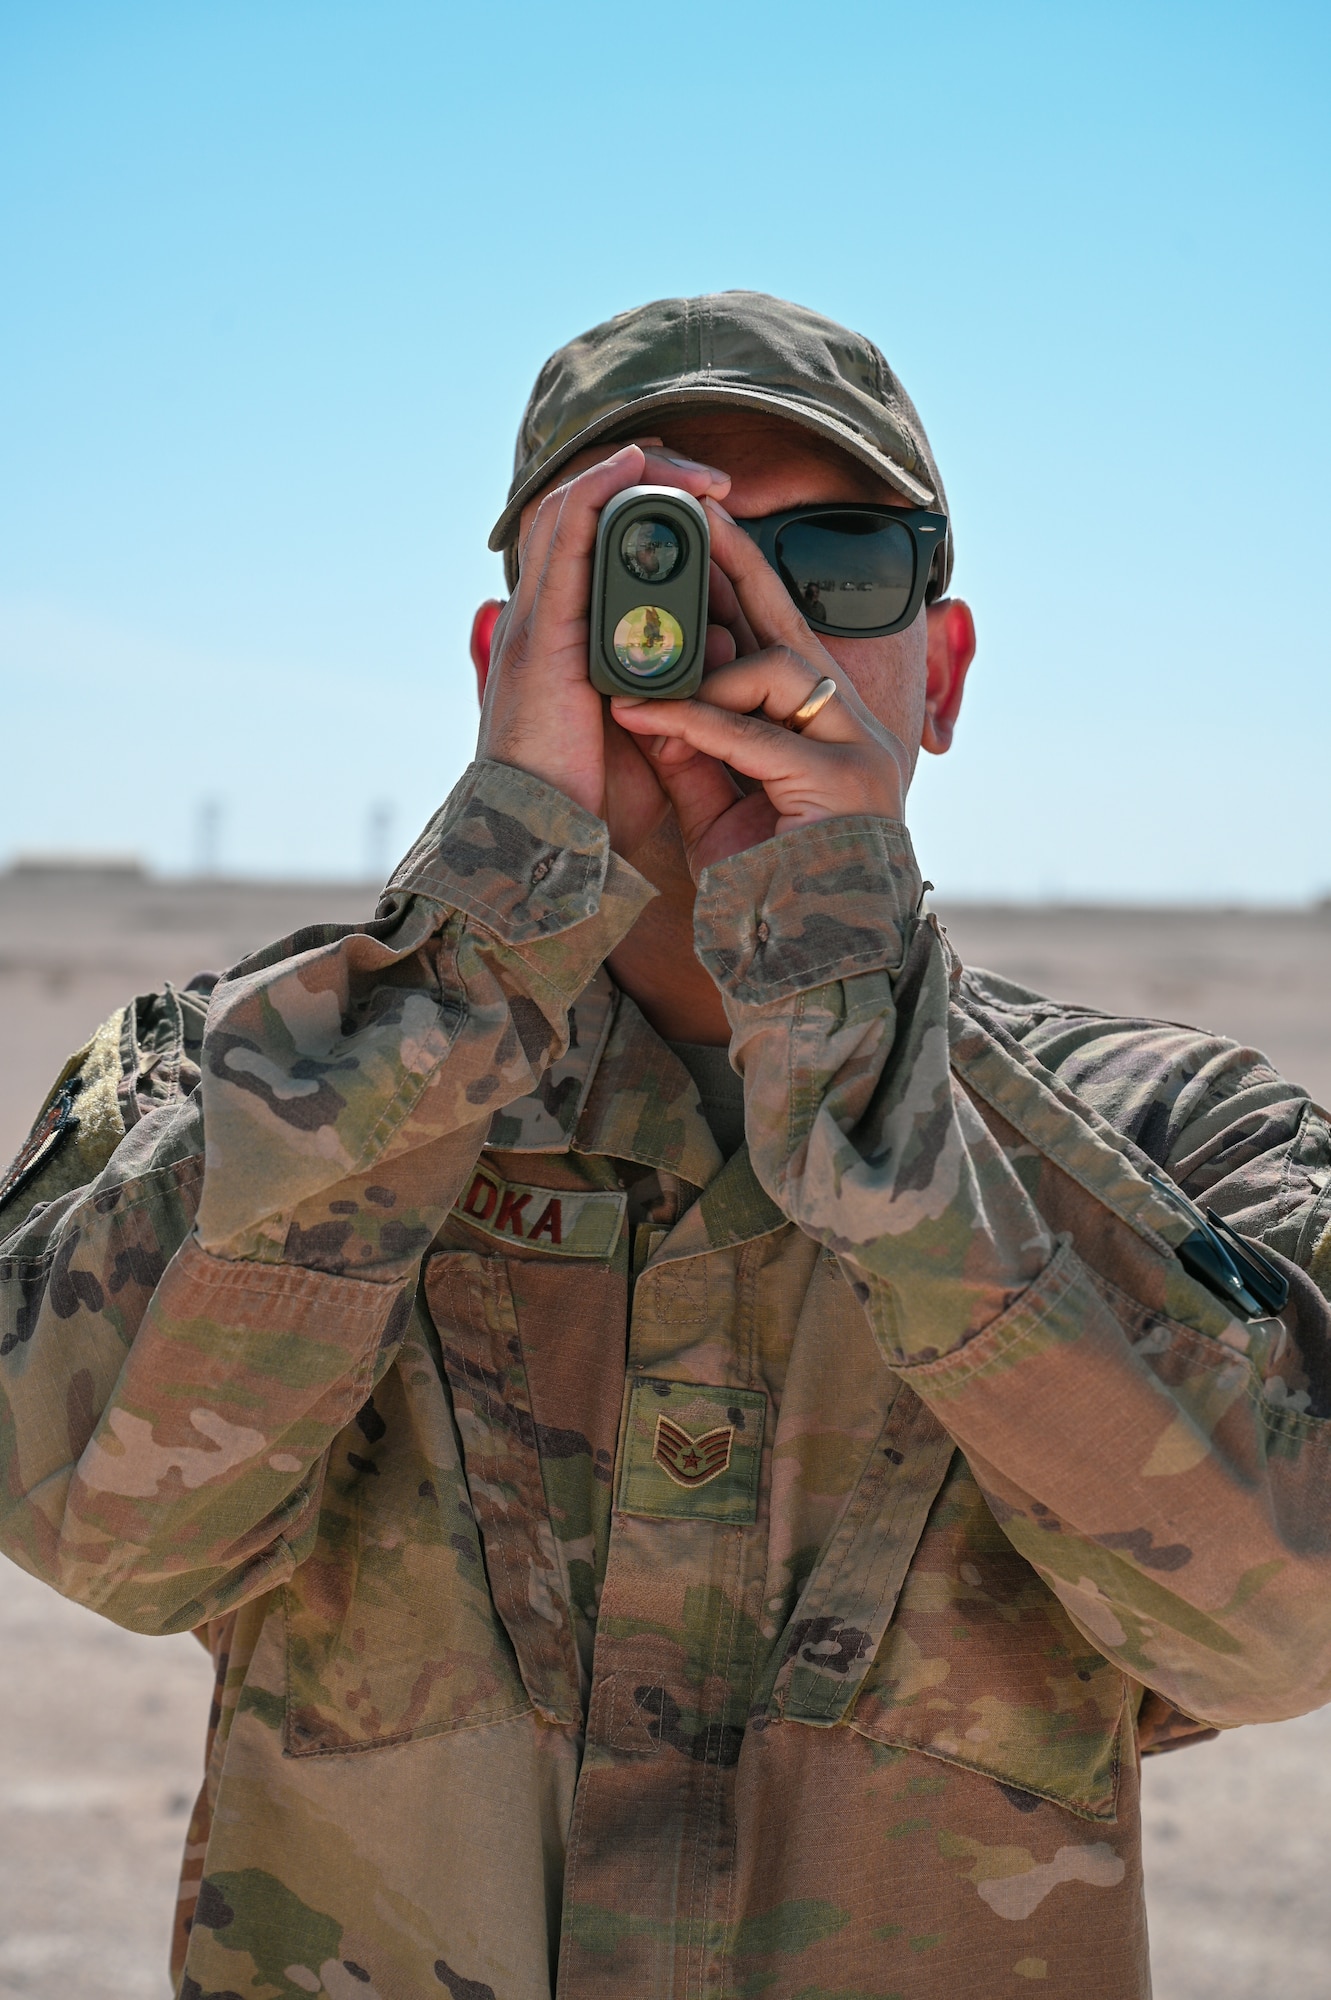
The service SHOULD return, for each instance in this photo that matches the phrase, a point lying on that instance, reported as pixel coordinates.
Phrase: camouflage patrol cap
(732, 350)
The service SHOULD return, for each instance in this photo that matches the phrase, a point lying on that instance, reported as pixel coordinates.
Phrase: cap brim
(628, 416)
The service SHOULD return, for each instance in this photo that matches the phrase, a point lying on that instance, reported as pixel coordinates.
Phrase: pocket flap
(848, 1602)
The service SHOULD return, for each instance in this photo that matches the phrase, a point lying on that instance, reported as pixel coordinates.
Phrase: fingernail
(716, 504)
(692, 464)
(628, 701)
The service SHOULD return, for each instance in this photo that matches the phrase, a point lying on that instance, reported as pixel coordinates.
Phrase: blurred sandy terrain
(101, 1732)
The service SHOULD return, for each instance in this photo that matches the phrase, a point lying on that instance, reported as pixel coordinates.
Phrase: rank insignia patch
(691, 1461)
(693, 1451)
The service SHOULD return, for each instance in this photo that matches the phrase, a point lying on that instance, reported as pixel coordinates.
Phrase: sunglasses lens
(848, 572)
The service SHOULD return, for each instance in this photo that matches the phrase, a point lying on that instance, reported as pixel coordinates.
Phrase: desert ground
(101, 1731)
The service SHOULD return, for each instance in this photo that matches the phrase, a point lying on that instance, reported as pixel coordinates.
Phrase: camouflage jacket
(648, 1574)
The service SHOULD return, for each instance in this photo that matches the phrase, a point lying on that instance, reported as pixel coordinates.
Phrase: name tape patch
(567, 1221)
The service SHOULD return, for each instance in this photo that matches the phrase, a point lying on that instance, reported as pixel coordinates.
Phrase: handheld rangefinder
(649, 594)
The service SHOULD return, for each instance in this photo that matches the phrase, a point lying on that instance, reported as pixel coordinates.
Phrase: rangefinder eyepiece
(649, 593)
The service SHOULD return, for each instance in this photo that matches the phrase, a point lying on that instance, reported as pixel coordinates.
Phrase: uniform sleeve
(1164, 1467)
(1213, 1114)
(182, 1339)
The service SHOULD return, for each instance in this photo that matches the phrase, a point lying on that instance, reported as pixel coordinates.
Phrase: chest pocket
(982, 1666)
(923, 1627)
(391, 1633)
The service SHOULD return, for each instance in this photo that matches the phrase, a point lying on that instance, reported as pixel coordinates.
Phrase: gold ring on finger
(815, 705)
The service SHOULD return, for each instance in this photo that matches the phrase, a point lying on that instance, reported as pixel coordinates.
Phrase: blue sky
(277, 278)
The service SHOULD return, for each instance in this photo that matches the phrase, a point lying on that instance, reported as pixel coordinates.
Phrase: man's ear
(951, 650)
(482, 632)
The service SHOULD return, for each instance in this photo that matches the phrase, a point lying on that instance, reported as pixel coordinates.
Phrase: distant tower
(207, 836)
(378, 835)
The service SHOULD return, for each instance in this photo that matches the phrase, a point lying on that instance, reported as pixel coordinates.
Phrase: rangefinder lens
(847, 571)
(652, 550)
(648, 640)
(649, 594)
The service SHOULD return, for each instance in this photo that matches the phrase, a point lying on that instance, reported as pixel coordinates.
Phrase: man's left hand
(843, 762)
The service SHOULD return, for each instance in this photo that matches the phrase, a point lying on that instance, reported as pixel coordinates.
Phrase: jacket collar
(643, 1105)
(619, 1093)
(545, 1121)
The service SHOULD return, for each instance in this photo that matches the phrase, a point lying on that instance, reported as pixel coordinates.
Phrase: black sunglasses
(860, 570)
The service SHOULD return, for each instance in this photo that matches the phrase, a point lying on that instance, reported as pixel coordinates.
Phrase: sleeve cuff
(518, 856)
(823, 902)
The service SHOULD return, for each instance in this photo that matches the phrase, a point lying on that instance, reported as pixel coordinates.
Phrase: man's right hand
(541, 712)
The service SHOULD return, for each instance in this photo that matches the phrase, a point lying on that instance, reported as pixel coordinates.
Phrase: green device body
(649, 594)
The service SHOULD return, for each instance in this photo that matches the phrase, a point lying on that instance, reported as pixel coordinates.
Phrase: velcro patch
(692, 1452)
(562, 1221)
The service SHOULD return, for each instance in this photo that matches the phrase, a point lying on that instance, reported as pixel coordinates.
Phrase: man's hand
(844, 762)
(541, 712)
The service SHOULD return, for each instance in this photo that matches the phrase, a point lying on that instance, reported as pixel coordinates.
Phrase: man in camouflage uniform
(643, 1549)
